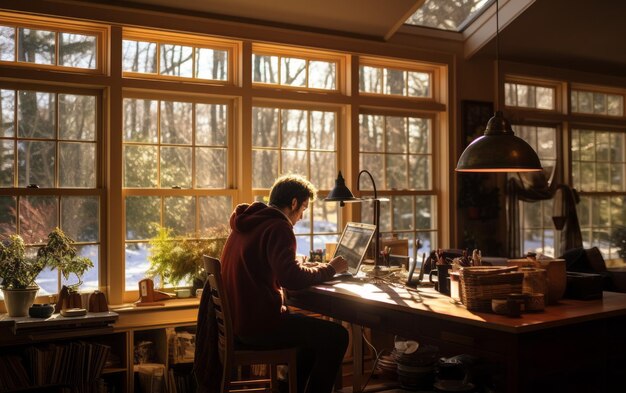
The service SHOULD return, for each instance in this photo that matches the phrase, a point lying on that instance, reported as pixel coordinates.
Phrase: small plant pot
(18, 301)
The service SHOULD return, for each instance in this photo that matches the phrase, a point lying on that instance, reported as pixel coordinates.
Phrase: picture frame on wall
(475, 115)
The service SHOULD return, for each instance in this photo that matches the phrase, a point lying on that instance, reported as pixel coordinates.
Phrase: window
(397, 151)
(158, 55)
(69, 45)
(599, 166)
(446, 15)
(302, 141)
(529, 96)
(190, 125)
(181, 147)
(595, 166)
(49, 176)
(293, 140)
(537, 229)
(309, 70)
(391, 81)
(597, 103)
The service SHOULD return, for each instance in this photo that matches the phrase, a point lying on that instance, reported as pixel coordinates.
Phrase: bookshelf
(32, 350)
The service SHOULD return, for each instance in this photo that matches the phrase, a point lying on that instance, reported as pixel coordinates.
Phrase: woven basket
(480, 284)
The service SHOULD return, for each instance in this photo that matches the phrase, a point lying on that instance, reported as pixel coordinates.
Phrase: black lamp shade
(340, 193)
(499, 150)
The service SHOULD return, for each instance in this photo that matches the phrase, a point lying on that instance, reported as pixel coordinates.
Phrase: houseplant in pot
(177, 259)
(18, 270)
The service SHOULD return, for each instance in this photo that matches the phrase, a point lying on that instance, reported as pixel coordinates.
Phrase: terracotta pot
(18, 301)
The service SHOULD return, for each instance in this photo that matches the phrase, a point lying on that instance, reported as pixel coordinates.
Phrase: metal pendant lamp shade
(340, 193)
(499, 150)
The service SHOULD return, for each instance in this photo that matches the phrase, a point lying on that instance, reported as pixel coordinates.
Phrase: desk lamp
(341, 193)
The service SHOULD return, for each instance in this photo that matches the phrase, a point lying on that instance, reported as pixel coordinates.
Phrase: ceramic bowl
(41, 310)
(500, 306)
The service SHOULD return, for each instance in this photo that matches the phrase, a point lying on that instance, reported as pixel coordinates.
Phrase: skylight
(452, 15)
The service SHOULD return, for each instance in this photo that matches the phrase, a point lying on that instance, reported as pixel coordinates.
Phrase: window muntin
(597, 103)
(175, 144)
(529, 96)
(287, 71)
(51, 139)
(294, 140)
(394, 82)
(50, 46)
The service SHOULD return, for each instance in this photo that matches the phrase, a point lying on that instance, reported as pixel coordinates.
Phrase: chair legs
(270, 384)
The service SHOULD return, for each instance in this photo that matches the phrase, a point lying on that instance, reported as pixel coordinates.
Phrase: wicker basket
(480, 284)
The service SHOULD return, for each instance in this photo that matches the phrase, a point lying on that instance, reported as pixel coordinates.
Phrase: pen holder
(316, 256)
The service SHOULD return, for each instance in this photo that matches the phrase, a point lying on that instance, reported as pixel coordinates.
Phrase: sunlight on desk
(422, 299)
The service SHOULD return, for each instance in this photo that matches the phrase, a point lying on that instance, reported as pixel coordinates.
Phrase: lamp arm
(358, 181)
(376, 216)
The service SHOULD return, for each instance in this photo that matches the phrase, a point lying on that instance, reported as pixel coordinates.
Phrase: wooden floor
(373, 385)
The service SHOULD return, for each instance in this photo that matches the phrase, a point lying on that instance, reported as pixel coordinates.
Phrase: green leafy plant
(19, 270)
(178, 258)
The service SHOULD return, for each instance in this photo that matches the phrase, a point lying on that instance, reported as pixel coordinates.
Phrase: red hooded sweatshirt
(259, 258)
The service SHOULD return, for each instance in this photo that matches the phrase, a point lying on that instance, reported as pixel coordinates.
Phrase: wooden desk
(574, 346)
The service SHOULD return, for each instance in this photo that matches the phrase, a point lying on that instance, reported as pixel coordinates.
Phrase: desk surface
(430, 303)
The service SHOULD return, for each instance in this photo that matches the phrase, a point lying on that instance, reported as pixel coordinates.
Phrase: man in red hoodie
(258, 261)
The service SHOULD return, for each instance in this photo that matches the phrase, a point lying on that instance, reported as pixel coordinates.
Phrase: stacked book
(77, 363)
(12, 373)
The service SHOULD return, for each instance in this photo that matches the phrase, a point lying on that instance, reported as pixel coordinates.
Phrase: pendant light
(498, 150)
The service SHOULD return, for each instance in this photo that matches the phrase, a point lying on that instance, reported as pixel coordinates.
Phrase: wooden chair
(232, 357)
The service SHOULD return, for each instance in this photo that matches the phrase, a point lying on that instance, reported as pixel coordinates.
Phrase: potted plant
(177, 259)
(18, 271)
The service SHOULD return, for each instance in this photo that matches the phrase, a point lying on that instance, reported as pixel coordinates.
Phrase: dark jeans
(321, 346)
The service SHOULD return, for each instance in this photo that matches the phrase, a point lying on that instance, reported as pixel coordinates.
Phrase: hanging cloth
(534, 187)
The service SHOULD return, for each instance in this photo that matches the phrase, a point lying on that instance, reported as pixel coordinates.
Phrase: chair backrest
(225, 342)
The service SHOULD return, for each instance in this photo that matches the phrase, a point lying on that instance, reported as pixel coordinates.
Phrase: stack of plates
(386, 367)
(416, 369)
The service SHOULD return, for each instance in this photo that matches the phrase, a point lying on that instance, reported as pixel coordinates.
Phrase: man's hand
(340, 264)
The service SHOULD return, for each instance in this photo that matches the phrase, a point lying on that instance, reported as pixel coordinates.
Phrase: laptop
(352, 246)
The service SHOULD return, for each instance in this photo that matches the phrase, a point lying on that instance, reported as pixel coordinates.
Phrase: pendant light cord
(497, 57)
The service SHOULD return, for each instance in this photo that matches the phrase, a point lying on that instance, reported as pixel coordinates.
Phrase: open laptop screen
(353, 244)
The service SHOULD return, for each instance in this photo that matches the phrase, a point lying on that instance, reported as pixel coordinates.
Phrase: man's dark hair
(287, 187)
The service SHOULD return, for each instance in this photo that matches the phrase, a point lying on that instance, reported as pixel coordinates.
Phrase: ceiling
(377, 19)
(573, 34)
